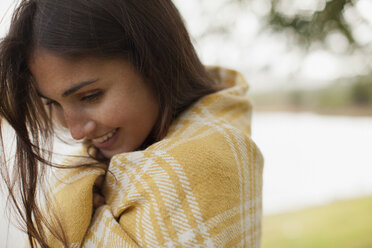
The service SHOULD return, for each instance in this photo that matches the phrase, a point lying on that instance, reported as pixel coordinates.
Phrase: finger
(99, 181)
(98, 201)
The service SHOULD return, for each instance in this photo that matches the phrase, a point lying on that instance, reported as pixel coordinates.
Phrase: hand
(98, 199)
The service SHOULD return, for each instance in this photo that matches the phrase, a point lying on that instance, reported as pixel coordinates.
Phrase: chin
(110, 154)
(107, 154)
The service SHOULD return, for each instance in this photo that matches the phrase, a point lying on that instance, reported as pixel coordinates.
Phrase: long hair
(149, 34)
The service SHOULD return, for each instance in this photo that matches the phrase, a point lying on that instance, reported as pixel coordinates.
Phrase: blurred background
(309, 67)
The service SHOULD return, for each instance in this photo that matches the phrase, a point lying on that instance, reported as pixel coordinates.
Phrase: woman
(173, 163)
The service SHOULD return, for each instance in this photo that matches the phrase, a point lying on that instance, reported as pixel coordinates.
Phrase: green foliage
(345, 96)
(295, 97)
(335, 96)
(314, 27)
(356, 92)
(361, 91)
(342, 224)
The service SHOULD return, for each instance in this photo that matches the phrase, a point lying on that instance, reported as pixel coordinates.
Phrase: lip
(108, 143)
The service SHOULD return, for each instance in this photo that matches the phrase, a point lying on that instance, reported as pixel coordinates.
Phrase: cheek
(58, 115)
(111, 115)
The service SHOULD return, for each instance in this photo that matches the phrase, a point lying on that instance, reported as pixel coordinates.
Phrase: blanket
(200, 186)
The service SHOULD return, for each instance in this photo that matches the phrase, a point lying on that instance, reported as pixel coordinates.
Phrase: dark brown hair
(149, 34)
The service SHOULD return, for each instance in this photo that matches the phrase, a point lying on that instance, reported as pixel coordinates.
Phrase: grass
(341, 224)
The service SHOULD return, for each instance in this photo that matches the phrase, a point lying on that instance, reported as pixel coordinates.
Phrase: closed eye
(50, 102)
(46, 100)
(92, 97)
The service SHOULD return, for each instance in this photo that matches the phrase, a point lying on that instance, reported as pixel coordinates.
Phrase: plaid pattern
(201, 186)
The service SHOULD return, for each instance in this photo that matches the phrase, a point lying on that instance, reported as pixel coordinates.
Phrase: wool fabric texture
(200, 186)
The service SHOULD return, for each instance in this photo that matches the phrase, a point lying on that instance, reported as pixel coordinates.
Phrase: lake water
(309, 160)
(312, 159)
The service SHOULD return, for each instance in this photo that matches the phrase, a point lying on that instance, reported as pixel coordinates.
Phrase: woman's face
(106, 102)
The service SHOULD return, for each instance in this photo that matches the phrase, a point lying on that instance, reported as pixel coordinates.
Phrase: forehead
(54, 74)
(45, 65)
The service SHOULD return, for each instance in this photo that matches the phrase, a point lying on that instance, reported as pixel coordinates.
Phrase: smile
(105, 137)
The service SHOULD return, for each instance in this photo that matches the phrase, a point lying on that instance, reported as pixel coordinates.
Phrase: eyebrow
(78, 87)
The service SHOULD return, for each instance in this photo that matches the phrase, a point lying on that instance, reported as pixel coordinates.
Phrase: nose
(82, 130)
(79, 124)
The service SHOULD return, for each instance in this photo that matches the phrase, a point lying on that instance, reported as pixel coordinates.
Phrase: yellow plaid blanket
(201, 186)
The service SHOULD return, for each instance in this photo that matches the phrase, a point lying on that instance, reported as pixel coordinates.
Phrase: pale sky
(6, 7)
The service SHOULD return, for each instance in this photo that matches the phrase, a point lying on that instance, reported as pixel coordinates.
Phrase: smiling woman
(88, 97)
(167, 159)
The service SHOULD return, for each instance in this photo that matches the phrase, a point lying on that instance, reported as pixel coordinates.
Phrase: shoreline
(351, 111)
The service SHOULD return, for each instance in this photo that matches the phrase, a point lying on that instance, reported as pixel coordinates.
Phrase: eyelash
(51, 102)
(88, 98)
(92, 97)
